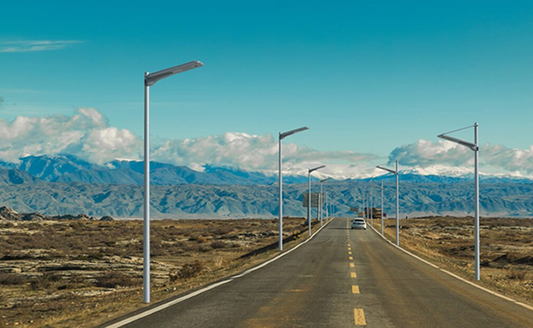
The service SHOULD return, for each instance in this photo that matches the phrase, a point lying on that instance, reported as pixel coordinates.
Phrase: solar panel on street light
(151, 78)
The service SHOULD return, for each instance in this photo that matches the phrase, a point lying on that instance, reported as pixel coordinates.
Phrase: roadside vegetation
(84, 273)
(506, 249)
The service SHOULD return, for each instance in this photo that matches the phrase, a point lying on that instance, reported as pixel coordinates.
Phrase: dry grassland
(84, 273)
(506, 249)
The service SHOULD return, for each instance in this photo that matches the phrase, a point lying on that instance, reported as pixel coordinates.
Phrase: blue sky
(368, 78)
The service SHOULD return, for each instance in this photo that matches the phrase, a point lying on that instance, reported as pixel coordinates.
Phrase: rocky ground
(506, 249)
(7, 214)
(79, 273)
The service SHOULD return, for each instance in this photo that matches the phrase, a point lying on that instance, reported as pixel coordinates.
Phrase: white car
(358, 223)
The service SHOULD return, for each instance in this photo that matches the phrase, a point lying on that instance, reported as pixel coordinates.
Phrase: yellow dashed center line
(359, 317)
(358, 314)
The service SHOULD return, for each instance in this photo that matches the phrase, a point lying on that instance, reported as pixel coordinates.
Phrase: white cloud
(35, 45)
(494, 159)
(88, 135)
(85, 134)
(426, 153)
(256, 153)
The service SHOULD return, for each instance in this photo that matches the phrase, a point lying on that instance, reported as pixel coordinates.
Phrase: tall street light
(320, 198)
(380, 188)
(282, 135)
(371, 206)
(395, 172)
(381, 207)
(474, 147)
(327, 203)
(364, 204)
(309, 195)
(149, 80)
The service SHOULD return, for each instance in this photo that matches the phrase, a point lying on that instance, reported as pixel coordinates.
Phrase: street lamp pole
(321, 205)
(309, 195)
(363, 201)
(371, 207)
(382, 207)
(395, 172)
(327, 203)
(475, 148)
(380, 188)
(149, 80)
(283, 135)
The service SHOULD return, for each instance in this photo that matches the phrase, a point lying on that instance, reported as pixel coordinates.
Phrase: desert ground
(506, 249)
(81, 273)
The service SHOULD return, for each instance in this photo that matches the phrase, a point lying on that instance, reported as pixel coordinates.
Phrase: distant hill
(16, 177)
(212, 201)
(68, 168)
(67, 185)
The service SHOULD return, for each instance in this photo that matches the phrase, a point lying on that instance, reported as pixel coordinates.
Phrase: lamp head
(317, 168)
(151, 78)
(291, 132)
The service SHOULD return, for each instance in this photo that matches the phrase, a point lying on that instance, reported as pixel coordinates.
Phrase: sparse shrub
(11, 279)
(76, 279)
(205, 248)
(218, 244)
(34, 226)
(187, 271)
(221, 230)
(44, 281)
(96, 256)
(113, 279)
(185, 231)
(517, 275)
(189, 247)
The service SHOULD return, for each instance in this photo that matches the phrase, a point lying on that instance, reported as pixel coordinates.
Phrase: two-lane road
(343, 278)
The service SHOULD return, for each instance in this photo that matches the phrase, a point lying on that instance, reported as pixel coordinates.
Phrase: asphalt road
(343, 278)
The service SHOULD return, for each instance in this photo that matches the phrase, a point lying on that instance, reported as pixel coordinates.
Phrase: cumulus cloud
(35, 45)
(494, 159)
(85, 134)
(254, 153)
(426, 153)
(512, 159)
(88, 135)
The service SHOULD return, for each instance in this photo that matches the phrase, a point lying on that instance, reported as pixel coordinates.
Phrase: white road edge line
(456, 276)
(215, 285)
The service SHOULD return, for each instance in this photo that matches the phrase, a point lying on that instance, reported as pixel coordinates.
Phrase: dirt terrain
(506, 249)
(80, 273)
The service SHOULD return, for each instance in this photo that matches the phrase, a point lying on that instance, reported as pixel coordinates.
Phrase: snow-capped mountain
(68, 168)
(68, 185)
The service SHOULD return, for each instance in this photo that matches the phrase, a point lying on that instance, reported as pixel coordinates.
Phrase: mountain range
(65, 184)
(68, 168)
